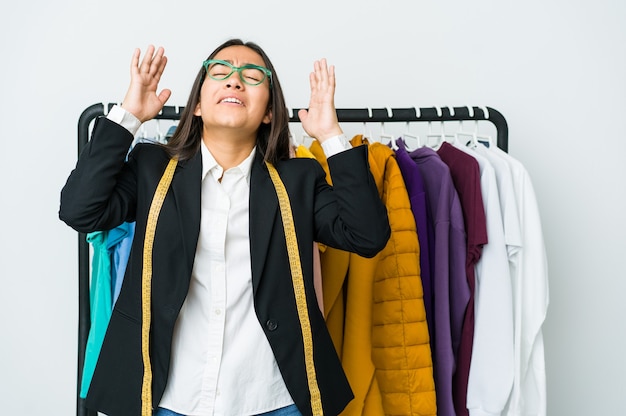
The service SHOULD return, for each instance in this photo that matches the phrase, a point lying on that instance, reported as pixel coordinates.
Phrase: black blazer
(104, 190)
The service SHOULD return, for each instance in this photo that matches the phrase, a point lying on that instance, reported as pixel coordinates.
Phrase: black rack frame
(345, 115)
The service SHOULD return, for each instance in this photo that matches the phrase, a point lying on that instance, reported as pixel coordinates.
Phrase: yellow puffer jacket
(374, 307)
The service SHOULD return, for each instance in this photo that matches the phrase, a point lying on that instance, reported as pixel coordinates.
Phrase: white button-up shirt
(222, 363)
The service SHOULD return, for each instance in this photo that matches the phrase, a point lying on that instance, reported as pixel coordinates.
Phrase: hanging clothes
(424, 225)
(100, 304)
(111, 249)
(465, 174)
(119, 242)
(508, 204)
(384, 345)
(491, 368)
(451, 291)
(531, 299)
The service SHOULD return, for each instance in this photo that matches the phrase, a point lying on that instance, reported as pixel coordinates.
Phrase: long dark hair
(272, 139)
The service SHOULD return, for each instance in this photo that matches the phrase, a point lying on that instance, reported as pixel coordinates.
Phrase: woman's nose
(234, 82)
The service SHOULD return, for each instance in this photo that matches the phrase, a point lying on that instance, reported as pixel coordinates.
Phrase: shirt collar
(209, 164)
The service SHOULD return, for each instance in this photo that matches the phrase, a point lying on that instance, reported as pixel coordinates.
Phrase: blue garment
(119, 242)
(100, 303)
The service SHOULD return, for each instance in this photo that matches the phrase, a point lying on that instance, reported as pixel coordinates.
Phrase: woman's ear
(197, 111)
(268, 116)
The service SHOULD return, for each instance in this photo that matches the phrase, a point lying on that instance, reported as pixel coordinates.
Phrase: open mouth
(231, 100)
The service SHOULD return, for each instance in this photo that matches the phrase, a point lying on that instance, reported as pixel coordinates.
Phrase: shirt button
(218, 311)
(271, 325)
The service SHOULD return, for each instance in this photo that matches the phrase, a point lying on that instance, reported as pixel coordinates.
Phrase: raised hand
(320, 121)
(141, 98)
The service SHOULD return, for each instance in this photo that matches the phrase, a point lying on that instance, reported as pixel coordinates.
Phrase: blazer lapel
(187, 189)
(263, 209)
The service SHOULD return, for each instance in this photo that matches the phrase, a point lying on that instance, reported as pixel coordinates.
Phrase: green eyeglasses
(250, 74)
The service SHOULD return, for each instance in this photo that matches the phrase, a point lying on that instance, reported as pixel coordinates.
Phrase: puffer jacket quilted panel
(400, 340)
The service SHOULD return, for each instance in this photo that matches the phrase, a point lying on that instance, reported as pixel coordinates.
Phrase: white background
(555, 69)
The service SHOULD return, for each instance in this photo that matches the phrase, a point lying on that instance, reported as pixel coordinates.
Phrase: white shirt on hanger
(508, 203)
(531, 299)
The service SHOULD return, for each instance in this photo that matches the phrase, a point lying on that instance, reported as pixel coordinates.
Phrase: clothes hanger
(301, 139)
(159, 136)
(441, 136)
(293, 138)
(306, 140)
(385, 138)
(484, 139)
(430, 136)
(474, 137)
(408, 135)
(367, 133)
(450, 138)
(467, 138)
(413, 137)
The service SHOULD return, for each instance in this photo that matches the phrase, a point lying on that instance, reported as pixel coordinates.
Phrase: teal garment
(100, 303)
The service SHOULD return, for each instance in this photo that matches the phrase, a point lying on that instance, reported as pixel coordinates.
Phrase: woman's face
(231, 103)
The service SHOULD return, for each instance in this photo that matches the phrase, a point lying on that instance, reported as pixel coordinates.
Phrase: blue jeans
(285, 411)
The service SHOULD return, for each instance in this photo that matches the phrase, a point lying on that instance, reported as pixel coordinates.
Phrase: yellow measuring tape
(146, 285)
(298, 288)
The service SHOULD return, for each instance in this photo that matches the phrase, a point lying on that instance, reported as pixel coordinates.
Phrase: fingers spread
(322, 79)
(157, 60)
(147, 60)
(160, 65)
(134, 63)
(151, 66)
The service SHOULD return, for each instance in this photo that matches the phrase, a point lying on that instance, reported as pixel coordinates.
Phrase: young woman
(232, 329)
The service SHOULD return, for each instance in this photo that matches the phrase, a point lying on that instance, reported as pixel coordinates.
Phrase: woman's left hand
(320, 121)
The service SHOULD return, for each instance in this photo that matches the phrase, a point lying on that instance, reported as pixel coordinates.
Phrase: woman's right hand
(141, 98)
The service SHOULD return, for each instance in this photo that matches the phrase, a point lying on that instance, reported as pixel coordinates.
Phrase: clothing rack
(344, 115)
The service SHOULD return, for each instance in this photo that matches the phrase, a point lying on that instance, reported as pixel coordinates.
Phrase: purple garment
(425, 233)
(451, 291)
(465, 173)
